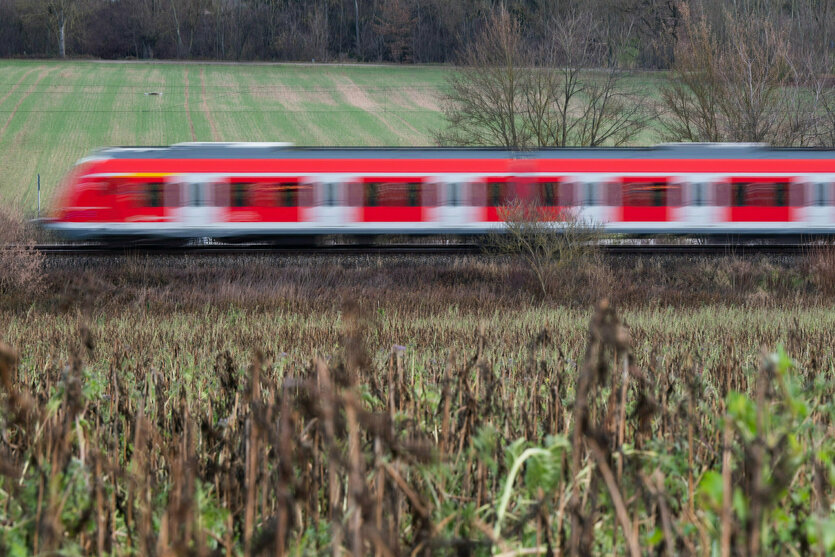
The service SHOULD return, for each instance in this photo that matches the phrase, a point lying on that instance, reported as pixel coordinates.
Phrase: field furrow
(205, 106)
(188, 112)
(25, 96)
(53, 113)
(17, 84)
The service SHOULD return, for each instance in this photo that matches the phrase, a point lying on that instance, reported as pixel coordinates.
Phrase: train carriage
(259, 190)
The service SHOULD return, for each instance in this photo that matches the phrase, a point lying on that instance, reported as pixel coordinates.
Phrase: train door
(201, 196)
(699, 202)
(330, 203)
(454, 201)
(818, 204)
(592, 200)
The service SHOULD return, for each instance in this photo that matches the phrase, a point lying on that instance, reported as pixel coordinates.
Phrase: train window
(567, 196)
(739, 195)
(392, 194)
(819, 195)
(281, 194)
(371, 193)
(172, 193)
(781, 194)
(496, 194)
(330, 195)
(548, 194)
(288, 195)
(645, 194)
(588, 195)
(197, 195)
(760, 194)
(202, 194)
(453, 195)
(240, 195)
(154, 195)
(698, 195)
(413, 194)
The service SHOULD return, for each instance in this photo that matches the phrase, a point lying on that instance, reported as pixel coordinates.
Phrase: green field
(53, 113)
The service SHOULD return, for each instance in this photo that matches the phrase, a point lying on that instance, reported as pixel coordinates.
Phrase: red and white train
(258, 190)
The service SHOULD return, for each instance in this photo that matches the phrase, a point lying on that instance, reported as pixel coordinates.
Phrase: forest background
(411, 31)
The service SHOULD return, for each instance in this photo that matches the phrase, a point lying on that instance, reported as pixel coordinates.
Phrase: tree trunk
(357, 23)
(62, 43)
(177, 25)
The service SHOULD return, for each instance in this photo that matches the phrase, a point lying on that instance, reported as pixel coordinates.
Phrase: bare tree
(433, 30)
(745, 88)
(691, 97)
(485, 104)
(754, 72)
(511, 95)
(394, 23)
(318, 32)
(61, 14)
(656, 23)
(574, 103)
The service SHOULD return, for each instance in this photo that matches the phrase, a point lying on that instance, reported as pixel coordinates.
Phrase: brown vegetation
(308, 285)
(823, 269)
(20, 264)
(512, 94)
(207, 406)
(576, 440)
(556, 246)
(394, 30)
(749, 88)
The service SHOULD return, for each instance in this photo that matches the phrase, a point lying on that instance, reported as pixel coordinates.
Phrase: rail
(411, 249)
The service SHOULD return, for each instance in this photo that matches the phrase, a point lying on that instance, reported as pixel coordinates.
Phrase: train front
(81, 207)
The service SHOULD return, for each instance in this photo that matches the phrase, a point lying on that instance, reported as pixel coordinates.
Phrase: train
(264, 191)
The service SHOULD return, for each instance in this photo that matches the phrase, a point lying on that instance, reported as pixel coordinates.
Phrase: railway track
(414, 249)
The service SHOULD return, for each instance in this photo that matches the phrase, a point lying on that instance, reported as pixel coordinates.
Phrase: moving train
(255, 191)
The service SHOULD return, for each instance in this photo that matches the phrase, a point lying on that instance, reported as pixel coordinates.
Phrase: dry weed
(21, 266)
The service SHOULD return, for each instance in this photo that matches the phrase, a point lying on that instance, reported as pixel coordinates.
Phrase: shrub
(21, 265)
(823, 269)
(556, 245)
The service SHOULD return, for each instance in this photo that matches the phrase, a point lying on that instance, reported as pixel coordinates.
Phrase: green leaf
(710, 490)
(784, 363)
(512, 452)
(799, 408)
(740, 505)
(655, 537)
(743, 412)
(484, 443)
(821, 531)
(544, 470)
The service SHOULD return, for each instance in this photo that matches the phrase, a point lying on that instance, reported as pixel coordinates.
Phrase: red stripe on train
(431, 167)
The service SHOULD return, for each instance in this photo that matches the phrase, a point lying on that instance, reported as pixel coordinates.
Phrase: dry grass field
(389, 406)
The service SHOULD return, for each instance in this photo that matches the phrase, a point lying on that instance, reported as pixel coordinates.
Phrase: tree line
(419, 31)
(737, 74)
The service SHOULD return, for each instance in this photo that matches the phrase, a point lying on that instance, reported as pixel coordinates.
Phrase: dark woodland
(411, 31)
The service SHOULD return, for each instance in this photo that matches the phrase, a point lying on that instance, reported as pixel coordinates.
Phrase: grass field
(53, 113)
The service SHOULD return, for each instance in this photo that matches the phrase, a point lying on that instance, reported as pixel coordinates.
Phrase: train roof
(288, 151)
